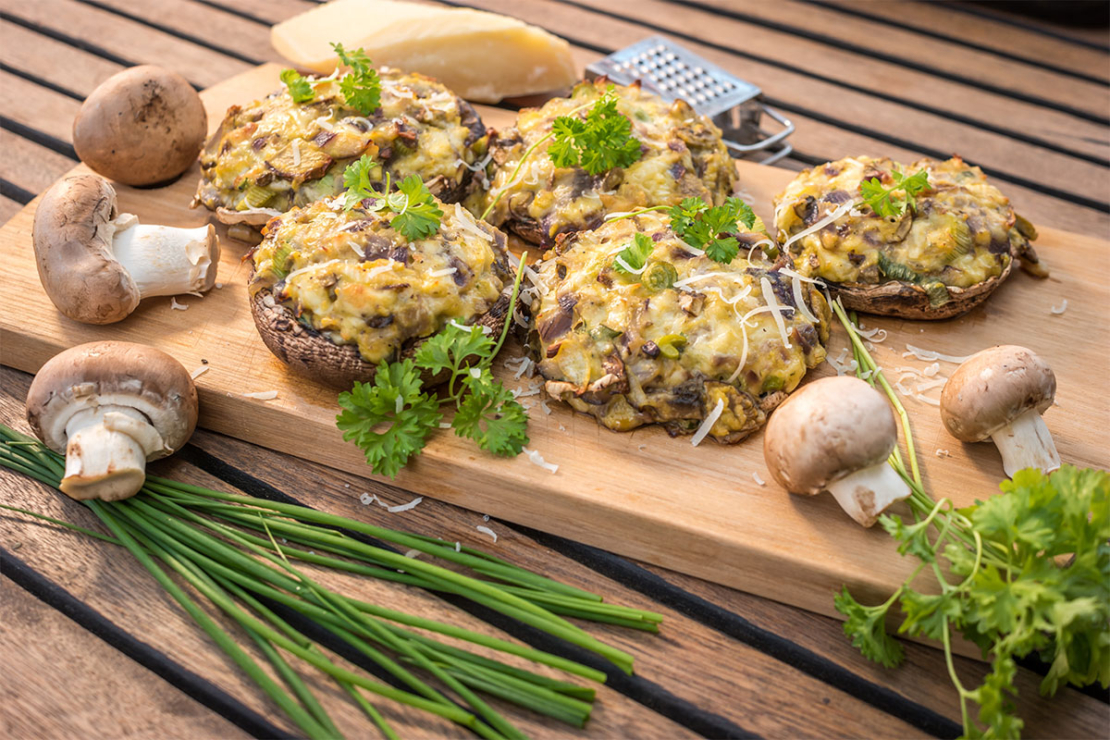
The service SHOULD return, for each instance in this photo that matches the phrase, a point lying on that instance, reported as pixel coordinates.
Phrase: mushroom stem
(867, 492)
(1026, 443)
(164, 260)
(106, 453)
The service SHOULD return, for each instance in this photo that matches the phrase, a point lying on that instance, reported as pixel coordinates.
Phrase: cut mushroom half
(835, 435)
(1001, 393)
(97, 264)
(110, 407)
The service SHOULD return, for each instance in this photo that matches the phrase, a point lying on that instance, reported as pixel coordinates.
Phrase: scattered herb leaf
(300, 89)
(361, 86)
(884, 202)
(418, 215)
(711, 228)
(631, 259)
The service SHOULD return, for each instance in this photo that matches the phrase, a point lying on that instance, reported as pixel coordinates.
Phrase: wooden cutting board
(698, 510)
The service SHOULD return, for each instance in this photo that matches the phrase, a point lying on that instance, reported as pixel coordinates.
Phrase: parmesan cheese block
(481, 56)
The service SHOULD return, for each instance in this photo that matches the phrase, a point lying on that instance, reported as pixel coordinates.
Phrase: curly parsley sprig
(391, 418)
(418, 215)
(597, 144)
(360, 85)
(999, 581)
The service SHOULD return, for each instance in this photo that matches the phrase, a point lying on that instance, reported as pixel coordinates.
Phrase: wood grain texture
(924, 678)
(53, 61)
(29, 165)
(618, 491)
(43, 650)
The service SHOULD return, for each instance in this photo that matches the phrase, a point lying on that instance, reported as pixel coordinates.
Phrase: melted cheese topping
(351, 277)
(599, 333)
(683, 156)
(297, 151)
(960, 233)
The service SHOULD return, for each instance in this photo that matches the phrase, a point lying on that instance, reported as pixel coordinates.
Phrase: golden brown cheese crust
(603, 338)
(348, 277)
(683, 156)
(276, 154)
(958, 241)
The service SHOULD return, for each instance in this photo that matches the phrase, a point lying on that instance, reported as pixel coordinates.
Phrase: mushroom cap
(142, 126)
(994, 387)
(338, 365)
(113, 373)
(828, 429)
(72, 237)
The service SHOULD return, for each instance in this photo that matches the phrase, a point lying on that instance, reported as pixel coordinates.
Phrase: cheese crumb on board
(481, 56)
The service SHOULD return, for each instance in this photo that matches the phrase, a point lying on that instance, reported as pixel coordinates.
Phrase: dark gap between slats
(173, 32)
(879, 136)
(1028, 26)
(236, 12)
(183, 679)
(16, 193)
(40, 138)
(853, 12)
(73, 41)
(729, 623)
(872, 54)
(649, 694)
(40, 82)
(940, 112)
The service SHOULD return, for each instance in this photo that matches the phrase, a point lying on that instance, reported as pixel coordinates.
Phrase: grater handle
(788, 128)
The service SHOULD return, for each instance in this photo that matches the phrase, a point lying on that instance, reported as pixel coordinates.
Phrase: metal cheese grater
(672, 72)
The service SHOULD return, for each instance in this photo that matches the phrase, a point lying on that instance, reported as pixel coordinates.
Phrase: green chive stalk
(241, 554)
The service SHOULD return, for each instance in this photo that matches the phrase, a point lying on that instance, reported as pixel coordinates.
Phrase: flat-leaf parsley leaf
(883, 200)
(361, 86)
(300, 88)
(597, 144)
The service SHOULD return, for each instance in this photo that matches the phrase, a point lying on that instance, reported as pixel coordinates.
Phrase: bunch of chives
(238, 552)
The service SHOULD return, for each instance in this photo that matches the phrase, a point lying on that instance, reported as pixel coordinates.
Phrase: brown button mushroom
(1001, 393)
(110, 407)
(143, 126)
(96, 264)
(836, 434)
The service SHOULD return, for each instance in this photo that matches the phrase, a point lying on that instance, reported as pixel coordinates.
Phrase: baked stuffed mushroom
(932, 252)
(334, 292)
(685, 340)
(682, 155)
(275, 154)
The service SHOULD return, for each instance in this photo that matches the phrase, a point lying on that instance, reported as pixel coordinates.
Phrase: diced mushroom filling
(671, 343)
(683, 156)
(351, 277)
(277, 154)
(961, 232)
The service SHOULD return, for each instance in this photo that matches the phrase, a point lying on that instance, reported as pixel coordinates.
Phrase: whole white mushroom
(96, 264)
(835, 434)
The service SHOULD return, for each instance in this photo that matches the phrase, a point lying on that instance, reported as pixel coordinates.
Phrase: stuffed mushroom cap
(680, 342)
(275, 153)
(940, 257)
(335, 292)
(682, 155)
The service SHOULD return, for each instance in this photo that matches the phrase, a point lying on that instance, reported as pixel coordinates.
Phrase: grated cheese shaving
(321, 265)
(537, 459)
(928, 355)
(174, 305)
(261, 395)
(628, 268)
(405, 507)
(412, 554)
(487, 530)
(757, 479)
(198, 372)
(840, 211)
(467, 222)
(296, 152)
(1062, 307)
(706, 425)
(444, 271)
(776, 309)
(800, 301)
(943, 453)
